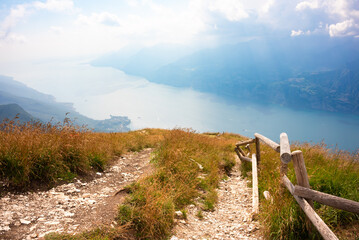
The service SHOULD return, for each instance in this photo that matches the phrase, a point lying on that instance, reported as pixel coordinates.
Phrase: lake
(99, 92)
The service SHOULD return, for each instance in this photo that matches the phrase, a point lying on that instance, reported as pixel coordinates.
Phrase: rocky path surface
(72, 207)
(231, 219)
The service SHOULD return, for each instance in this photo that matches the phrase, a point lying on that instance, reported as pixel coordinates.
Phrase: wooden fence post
(327, 199)
(285, 155)
(241, 151)
(320, 225)
(255, 195)
(302, 177)
(258, 150)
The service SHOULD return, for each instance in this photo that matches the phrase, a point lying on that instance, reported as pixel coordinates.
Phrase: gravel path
(72, 207)
(80, 206)
(232, 218)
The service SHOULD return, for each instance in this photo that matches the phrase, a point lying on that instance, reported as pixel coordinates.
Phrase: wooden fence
(301, 192)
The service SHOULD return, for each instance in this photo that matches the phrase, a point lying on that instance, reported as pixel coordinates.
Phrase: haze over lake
(99, 92)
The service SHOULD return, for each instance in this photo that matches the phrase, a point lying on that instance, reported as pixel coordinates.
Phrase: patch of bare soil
(231, 219)
(72, 207)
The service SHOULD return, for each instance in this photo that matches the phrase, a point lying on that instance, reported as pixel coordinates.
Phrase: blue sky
(40, 29)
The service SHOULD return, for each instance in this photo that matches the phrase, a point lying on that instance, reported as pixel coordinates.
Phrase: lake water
(99, 92)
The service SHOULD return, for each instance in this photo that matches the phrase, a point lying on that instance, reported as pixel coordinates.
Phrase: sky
(35, 30)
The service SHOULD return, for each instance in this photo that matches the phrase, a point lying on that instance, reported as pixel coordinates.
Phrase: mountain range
(318, 73)
(17, 98)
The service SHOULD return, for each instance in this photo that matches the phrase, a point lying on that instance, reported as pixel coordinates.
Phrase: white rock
(33, 227)
(25, 222)
(51, 223)
(68, 214)
(86, 195)
(6, 228)
(34, 235)
(179, 214)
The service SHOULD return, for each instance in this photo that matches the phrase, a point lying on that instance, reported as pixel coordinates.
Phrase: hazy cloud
(20, 11)
(233, 10)
(104, 18)
(16, 14)
(17, 38)
(54, 5)
(94, 29)
(57, 30)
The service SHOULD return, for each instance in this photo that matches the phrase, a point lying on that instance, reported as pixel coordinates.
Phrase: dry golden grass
(51, 152)
(188, 166)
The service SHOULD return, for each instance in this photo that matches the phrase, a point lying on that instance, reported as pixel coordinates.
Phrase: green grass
(177, 182)
(333, 173)
(101, 233)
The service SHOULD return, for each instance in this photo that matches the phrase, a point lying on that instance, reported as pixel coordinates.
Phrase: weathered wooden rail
(301, 192)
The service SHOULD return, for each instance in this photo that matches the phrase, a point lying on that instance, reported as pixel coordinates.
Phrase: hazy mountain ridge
(317, 73)
(45, 108)
(10, 111)
(143, 62)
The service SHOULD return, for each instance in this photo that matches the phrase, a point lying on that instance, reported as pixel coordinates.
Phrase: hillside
(45, 108)
(10, 111)
(279, 71)
(181, 171)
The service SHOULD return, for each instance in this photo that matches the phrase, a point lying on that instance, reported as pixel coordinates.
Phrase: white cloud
(345, 28)
(104, 18)
(160, 24)
(16, 14)
(149, 22)
(341, 16)
(233, 10)
(20, 11)
(314, 4)
(132, 3)
(265, 7)
(300, 32)
(54, 5)
(296, 33)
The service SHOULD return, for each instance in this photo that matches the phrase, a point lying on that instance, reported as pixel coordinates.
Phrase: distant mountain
(10, 111)
(45, 108)
(145, 61)
(312, 73)
(335, 91)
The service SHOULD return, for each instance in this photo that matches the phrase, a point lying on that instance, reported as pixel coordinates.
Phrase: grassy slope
(334, 173)
(177, 182)
(47, 153)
